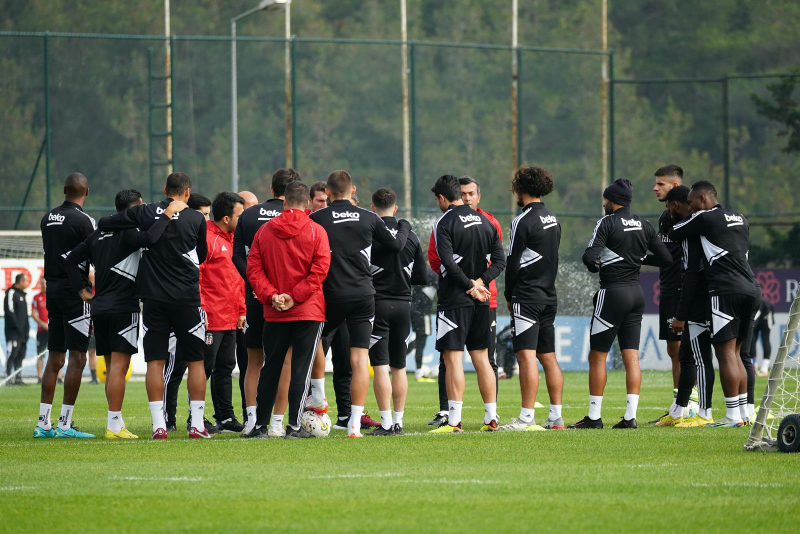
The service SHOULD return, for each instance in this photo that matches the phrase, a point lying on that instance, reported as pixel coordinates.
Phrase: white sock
(595, 406)
(418, 374)
(398, 419)
(489, 412)
(527, 415)
(555, 412)
(633, 404)
(250, 423)
(65, 421)
(157, 412)
(764, 366)
(732, 408)
(196, 408)
(277, 422)
(454, 412)
(114, 421)
(318, 390)
(676, 411)
(751, 409)
(743, 407)
(354, 424)
(386, 419)
(44, 416)
(705, 413)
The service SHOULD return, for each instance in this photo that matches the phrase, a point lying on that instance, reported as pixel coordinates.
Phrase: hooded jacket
(290, 254)
(221, 289)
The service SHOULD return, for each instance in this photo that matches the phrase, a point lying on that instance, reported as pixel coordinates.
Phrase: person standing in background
(15, 307)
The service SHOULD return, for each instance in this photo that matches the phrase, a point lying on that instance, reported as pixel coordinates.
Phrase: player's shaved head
(76, 186)
(339, 184)
(249, 198)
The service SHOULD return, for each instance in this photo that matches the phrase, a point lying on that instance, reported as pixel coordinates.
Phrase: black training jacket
(669, 277)
(466, 242)
(393, 273)
(533, 256)
(250, 221)
(351, 233)
(170, 268)
(15, 308)
(693, 304)
(64, 228)
(619, 246)
(116, 257)
(725, 237)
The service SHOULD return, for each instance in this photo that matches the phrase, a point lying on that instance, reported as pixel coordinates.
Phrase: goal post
(782, 396)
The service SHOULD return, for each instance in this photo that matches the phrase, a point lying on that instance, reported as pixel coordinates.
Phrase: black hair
(224, 203)
(384, 198)
(197, 201)
(296, 193)
(466, 180)
(126, 198)
(281, 178)
(178, 183)
(339, 183)
(76, 185)
(670, 170)
(318, 186)
(532, 181)
(19, 277)
(447, 186)
(678, 194)
(704, 187)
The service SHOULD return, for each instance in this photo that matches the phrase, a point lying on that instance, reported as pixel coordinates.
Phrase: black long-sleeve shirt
(620, 243)
(670, 276)
(116, 257)
(250, 221)
(63, 228)
(725, 237)
(466, 242)
(693, 304)
(393, 274)
(15, 308)
(351, 233)
(533, 256)
(170, 268)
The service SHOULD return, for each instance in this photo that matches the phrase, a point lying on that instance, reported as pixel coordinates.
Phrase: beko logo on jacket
(471, 220)
(346, 216)
(631, 222)
(55, 219)
(734, 220)
(548, 221)
(268, 213)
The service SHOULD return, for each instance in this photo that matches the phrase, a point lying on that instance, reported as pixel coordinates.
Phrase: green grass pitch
(650, 479)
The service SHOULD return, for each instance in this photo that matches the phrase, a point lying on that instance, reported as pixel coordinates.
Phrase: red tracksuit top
(221, 291)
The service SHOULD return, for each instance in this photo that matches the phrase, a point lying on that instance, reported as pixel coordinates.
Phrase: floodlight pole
(168, 85)
(604, 111)
(290, 156)
(514, 97)
(406, 113)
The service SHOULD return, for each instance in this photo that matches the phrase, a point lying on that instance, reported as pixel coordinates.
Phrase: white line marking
(161, 479)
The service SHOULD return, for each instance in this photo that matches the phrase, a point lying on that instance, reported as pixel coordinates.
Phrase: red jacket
(221, 291)
(290, 254)
(433, 256)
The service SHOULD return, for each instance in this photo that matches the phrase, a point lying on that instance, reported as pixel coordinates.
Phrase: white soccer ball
(691, 409)
(317, 425)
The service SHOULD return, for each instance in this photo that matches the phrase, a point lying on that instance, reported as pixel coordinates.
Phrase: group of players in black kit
(307, 277)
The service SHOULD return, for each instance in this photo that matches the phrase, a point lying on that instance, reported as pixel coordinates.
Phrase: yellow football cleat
(491, 426)
(668, 420)
(122, 434)
(693, 422)
(447, 429)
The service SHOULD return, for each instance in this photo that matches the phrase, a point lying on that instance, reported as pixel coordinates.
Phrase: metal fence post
(171, 108)
(150, 119)
(293, 43)
(612, 148)
(726, 178)
(519, 107)
(47, 115)
(412, 89)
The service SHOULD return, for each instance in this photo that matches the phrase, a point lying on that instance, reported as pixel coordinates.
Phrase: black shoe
(20, 382)
(60, 381)
(171, 427)
(211, 428)
(230, 425)
(259, 432)
(380, 431)
(341, 424)
(626, 423)
(398, 430)
(588, 423)
(94, 381)
(439, 419)
(301, 432)
(39, 381)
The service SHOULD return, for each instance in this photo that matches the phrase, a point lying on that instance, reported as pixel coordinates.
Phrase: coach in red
(287, 264)
(222, 298)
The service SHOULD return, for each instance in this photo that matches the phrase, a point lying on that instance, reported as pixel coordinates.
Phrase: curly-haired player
(531, 296)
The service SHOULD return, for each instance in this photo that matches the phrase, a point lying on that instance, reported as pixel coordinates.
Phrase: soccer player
(349, 293)
(530, 293)
(249, 223)
(250, 200)
(617, 250)
(39, 314)
(200, 203)
(764, 321)
(15, 308)
(290, 287)
(392, 275)
(115, 308)
(725, 235)
(471, 253)
(169, 286)
(668, 177)
(691, 319)
(63, 228)
(222, 299)
(318, 197)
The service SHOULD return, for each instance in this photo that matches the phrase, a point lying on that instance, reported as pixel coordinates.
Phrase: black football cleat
(298, 433)
(380, 431)
(439, 419)
(230, 425)
(588, 423)
(626, 423)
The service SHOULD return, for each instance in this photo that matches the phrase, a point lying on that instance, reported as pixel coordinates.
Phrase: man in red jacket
(289, 285)
(471, 196)
(222, 298)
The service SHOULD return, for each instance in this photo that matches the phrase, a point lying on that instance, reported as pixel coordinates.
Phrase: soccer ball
(691, 409)
(317, 425)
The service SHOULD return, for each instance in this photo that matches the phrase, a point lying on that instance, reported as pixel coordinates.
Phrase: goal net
(20, 244)
(782, 396)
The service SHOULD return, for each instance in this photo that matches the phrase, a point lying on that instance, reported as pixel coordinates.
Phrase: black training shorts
(388, 343)
(667, 307)
(358, 314)
(534, 327)
(116, 332)
(469, 326)
(254, 326)
(159, 319)
(731, 317)
(617, 313)
(69, 324)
